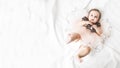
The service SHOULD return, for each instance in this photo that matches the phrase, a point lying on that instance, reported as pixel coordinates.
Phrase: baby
(86, 30)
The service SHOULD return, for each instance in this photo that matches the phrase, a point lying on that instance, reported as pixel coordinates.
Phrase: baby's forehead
(94, 12)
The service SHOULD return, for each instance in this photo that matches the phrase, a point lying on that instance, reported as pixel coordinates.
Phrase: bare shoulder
(99, 30)
(85, 22)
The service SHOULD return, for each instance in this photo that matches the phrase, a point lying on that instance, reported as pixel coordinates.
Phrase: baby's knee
(84, 50)
(88, 48)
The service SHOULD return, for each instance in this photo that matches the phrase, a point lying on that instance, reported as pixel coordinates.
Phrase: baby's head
(94, 15)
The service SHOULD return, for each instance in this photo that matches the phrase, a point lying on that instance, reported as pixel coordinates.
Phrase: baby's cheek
(96, 20)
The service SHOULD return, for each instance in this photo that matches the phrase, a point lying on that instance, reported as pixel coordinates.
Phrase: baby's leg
(73, 37)
(83, 51)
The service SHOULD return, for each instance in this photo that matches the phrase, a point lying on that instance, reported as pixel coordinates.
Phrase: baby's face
(93, 16)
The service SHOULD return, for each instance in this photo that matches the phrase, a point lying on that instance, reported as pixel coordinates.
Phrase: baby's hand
(84, 23)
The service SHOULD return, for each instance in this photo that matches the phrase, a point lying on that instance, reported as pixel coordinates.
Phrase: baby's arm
(98, 30)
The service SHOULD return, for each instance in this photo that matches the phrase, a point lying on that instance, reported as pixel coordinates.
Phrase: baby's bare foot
(81, 60)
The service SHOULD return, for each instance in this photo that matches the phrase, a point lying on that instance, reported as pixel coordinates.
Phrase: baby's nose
(92, 19)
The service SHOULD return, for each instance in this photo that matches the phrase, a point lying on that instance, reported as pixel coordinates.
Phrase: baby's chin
(93, 22)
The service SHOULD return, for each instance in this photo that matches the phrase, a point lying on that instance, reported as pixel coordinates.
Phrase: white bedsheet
(32, 33)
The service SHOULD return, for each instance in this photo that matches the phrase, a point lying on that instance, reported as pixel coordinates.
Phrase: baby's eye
(95, 16)
(91, 15)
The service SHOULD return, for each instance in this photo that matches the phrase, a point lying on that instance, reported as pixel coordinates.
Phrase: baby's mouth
(91, 21)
